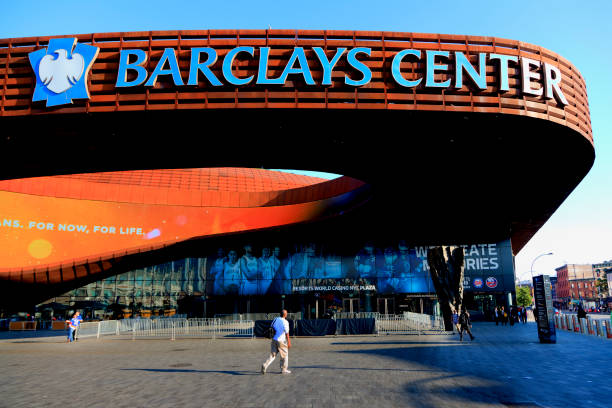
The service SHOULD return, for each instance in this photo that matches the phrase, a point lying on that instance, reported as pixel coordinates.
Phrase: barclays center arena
(142, 172)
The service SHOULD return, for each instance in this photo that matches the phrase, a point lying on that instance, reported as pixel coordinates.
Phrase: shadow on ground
(175, 370)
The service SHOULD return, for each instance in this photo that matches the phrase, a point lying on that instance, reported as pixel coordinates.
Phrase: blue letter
(503, 69)
(328, 66)
(169, 55)
(431, 67)
(124, 65)
(195, 65)
(395, 68)
(262, 77)
(229, 61)
(298, 54)
(461, 63)
(359, 66)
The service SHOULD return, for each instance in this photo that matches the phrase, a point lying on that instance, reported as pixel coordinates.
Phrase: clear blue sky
(579, 232)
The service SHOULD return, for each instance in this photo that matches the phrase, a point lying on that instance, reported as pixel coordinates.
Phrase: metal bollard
(98, 334)
(173, 334)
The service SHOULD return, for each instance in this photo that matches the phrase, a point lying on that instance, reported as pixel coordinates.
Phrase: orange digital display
(41, 231)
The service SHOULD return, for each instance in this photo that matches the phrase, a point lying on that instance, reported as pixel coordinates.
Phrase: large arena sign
(61, 70)
(435, 62)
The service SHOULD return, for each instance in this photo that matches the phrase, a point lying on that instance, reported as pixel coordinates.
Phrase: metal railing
(192, 328)
(173, 328)
(427, 322)
(356, 315)
(256, 316)
(409, 323)
(588, 326)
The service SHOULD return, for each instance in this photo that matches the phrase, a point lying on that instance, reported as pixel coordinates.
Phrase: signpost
(544, 312)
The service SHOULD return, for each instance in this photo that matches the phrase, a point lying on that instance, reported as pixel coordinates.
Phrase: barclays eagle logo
(61, 71)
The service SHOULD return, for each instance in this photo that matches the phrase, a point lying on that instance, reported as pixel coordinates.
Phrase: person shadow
(184, 370)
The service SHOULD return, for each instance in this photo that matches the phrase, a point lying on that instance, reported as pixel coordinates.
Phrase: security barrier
(409, 323)
(194, 328)
(173, 328)
(588, 326)
(357, 315)
(256, 316)
(22, 326)
(59, 325)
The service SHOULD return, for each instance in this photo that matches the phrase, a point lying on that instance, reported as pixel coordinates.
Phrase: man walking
(465, 324)
(281, 343)
(73, 325)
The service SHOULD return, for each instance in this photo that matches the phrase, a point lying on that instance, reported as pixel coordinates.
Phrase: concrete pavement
(503, 367)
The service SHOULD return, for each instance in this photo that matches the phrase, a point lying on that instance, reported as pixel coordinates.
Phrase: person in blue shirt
(73, 325)
(281, 343)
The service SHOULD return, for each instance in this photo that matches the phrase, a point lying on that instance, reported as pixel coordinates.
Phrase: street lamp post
(536, 258)
(531, 270)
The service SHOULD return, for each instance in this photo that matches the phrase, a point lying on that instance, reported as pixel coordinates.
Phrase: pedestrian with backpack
(281, 343)
(465, 324)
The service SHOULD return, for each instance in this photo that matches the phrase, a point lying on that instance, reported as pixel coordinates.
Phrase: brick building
(576, 282)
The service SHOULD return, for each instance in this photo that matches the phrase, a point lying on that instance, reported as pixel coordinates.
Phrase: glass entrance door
(350, 305)
(386, 306)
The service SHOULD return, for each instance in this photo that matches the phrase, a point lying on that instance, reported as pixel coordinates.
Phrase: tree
(523, 296)
(602, 285)
(446, 266)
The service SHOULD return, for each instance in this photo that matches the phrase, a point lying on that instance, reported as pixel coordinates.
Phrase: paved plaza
(503, 366)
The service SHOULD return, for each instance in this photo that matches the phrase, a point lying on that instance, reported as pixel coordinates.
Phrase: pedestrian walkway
(502, 367)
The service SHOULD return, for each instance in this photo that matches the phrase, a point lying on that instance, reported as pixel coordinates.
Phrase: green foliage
(523, 296)
(602, 285)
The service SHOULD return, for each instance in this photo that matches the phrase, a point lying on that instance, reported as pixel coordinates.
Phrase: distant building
(604, 270)
(575, 283)
(553, 289)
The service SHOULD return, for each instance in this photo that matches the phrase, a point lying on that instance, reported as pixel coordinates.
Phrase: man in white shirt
(281, 343)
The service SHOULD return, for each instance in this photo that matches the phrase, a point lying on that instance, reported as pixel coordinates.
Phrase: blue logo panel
(61, 71)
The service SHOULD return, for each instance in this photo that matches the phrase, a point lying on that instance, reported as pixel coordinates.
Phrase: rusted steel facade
(17, 79)
(502, 150)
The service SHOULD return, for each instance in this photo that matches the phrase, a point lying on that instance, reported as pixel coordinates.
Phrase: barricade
(576, 324)
(87, 329)
(235, 328)
(59, 325)
(582, 324)
(193, 328)
(589, 326)
(391, 324)
(410, 323)
(108, 327)
(598, 331)
(357, 315)
(427, 322)
(22, 325)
